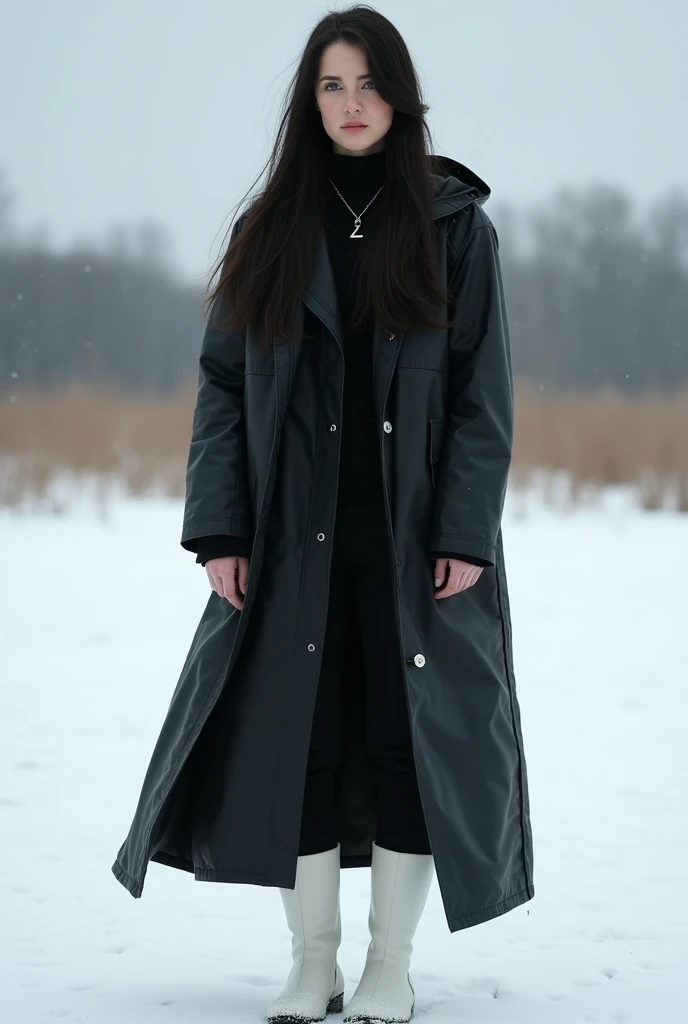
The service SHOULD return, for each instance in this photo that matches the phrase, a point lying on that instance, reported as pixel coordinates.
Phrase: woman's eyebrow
(338, 78)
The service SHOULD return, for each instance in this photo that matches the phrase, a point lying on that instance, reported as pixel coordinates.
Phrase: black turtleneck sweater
(358, 178)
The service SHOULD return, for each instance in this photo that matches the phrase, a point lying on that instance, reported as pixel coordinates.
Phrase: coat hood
(455, 185)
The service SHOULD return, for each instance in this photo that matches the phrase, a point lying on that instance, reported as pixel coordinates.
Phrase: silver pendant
(353, 234)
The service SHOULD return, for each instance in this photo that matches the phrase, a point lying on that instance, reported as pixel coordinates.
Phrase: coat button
(391, 337)
(311, 647)
(387, 427)
(321, 536)
(333, 426)
(419, 660)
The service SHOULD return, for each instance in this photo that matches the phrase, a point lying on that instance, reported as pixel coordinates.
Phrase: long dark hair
(266, 264)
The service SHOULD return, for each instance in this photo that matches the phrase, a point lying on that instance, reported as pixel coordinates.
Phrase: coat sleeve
(476, 455)
(473, 559)
(222, 545)
(217, 497)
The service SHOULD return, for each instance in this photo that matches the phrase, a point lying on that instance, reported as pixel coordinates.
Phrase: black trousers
(361, 576)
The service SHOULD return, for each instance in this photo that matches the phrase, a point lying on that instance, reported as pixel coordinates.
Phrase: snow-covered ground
(96, 619)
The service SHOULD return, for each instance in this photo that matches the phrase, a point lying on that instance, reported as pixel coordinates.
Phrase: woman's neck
(349, 171)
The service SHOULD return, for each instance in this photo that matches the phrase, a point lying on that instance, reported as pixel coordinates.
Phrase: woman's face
(346, 92)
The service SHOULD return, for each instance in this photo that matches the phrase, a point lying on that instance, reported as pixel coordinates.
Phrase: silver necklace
(357, 218)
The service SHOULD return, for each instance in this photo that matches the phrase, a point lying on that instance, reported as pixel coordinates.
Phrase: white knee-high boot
(399, 886)
(315, 986)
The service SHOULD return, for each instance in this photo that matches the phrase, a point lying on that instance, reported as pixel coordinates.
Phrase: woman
(348, 699)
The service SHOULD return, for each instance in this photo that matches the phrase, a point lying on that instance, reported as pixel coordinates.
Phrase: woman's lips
(354, 127)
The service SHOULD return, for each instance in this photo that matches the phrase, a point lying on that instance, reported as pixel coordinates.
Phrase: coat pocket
(436, 441)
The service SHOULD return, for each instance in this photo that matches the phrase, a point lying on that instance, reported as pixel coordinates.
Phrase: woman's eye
(328, 84)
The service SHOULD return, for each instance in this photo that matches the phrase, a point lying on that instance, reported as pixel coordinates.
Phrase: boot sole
(377, 1020)
(335, 1005)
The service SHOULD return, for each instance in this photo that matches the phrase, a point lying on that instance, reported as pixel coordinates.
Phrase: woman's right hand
(228, 577)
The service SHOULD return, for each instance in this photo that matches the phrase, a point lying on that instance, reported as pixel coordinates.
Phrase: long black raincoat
(222, 796)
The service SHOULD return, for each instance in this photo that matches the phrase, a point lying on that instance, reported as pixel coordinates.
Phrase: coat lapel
(320, 296)
(320, 293)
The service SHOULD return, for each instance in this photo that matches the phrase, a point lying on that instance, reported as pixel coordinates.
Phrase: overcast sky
(117, 110)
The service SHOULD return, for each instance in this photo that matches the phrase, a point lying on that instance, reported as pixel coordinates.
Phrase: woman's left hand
(461, 576)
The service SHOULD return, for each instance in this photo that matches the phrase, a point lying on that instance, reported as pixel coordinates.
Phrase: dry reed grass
(605, 439)
(141, 443)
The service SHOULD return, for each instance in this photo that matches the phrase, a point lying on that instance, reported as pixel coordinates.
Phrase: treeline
(597, 291)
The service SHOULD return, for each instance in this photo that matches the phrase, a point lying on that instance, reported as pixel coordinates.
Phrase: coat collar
(455, 186)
